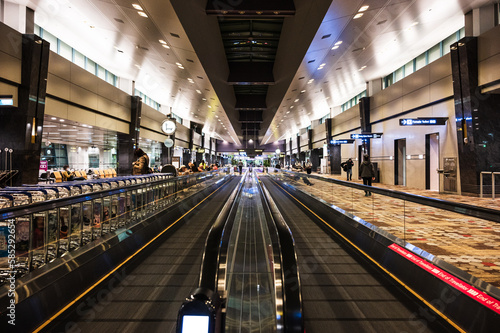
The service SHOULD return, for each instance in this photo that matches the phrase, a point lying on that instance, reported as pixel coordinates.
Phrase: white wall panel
(57, 86)
(10, 67)
(7, 89)
(489, 70)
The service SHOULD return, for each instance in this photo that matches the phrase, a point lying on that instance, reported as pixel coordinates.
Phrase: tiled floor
(469, 243)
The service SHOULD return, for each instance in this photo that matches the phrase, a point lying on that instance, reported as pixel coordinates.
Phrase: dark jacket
(347, 165)
(366, 170)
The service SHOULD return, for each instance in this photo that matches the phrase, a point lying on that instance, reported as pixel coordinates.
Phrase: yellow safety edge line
(38, 329)
(380, 266)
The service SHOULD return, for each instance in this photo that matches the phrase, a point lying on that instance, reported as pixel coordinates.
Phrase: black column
(128, 142)
(298, 147)
(21, 127)
(364, 115)
(329, 146)
(478, 124)
(335, 160)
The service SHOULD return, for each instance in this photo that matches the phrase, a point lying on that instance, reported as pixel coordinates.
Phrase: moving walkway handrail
(292, 307)
(211, 257)
(457, 207)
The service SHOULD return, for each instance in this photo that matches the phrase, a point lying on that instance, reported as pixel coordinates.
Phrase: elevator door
(400, 162)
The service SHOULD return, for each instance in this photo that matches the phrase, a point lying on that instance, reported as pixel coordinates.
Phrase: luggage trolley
(32, 248)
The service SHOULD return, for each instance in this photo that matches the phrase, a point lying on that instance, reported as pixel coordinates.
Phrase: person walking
(141, 166)
(347, 166)
(240, 167)
(308, 166)
(367, 173)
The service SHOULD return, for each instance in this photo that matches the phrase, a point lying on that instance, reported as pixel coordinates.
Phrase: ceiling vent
(175, 35)
(199, 77)
(142, 48)
(118, 20)
(311, 61)
(300, 78)
(381, 22)
(189, 60)
(326, 36)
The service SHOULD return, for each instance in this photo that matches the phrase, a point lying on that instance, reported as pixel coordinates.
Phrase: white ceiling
(390, 33)
(387, 36)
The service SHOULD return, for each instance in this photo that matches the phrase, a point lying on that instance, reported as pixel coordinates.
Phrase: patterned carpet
(468, 243)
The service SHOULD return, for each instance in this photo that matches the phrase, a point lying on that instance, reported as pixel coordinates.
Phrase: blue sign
(6, 101)
(366, 136)
(422, 121)
(342, 141)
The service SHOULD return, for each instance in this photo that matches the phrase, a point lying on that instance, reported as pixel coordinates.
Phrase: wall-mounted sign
(169, 143)
(44, 165)
(423, 121)
(168, 127)
(200, 150)
(340, 142)
(366, 136)
(6, 100)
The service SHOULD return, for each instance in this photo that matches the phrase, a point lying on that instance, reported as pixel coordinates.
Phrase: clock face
(168, 127)
(169, 143)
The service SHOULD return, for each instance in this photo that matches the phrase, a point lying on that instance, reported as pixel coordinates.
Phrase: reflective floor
(250, 289)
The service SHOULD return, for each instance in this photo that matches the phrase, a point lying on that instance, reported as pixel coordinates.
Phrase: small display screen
(6, 101)
(195, 324)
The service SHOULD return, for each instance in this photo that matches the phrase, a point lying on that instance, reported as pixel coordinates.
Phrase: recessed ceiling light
(335, 47)
(53, 118)
(142, 14)
(209, 107)
(302, 91)
(61, 120)
(136, 6)
(165, 46)
(296, 100)
(338, 43)
(413, 24)
(162, 41)
(362, 9)
(357, 16)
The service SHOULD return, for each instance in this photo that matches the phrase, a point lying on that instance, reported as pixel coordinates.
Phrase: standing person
(202, 166)
(347, 166)
(309, 166)
(141, 166)
(240, 167)
(367, 172)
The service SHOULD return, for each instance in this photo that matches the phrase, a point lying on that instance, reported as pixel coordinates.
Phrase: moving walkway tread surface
(147, 297)
(342, 291)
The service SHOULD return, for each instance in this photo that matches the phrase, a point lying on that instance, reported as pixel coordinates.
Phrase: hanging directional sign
(366, 136)
(423, 121)
(341, 141)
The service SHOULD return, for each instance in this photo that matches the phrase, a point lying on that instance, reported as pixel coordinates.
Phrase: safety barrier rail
(39, 224)
(493, 174)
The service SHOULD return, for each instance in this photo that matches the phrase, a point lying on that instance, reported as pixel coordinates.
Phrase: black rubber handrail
(211, 256)
(456, 207)
(292, 307)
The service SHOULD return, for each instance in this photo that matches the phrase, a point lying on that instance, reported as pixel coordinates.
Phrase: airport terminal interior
(249, 166)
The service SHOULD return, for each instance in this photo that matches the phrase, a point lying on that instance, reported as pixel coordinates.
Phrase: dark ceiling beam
(250, 8)
(250, 102)
(250, 127)
(210, 51)
(250, 117)
(251, 73)
(297, 35)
